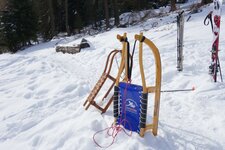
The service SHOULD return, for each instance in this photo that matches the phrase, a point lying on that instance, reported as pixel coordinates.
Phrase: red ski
(214, 17)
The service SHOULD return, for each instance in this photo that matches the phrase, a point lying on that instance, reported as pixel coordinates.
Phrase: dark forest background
(24, 22)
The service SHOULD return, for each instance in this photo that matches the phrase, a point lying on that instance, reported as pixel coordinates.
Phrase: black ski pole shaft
(220, 69)
(182, 90)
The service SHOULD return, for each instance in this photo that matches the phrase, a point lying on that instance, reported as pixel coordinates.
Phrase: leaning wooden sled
(105, 75)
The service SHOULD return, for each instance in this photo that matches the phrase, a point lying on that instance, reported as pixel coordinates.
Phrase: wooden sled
(155, 89)
(106, 74)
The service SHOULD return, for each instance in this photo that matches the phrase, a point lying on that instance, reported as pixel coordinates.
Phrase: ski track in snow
(42, 93)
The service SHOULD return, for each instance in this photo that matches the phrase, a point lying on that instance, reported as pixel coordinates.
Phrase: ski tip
(193, 88)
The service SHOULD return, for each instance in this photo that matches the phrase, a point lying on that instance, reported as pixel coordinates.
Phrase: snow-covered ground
(42, 92)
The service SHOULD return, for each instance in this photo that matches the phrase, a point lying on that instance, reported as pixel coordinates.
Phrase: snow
(42, 92)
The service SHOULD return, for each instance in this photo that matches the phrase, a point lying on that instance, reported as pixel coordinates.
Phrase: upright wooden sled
(143, 126)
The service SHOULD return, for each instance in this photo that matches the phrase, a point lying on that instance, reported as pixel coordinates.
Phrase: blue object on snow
(129, 106)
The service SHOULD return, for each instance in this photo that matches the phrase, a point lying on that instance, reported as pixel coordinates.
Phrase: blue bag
(129, 104)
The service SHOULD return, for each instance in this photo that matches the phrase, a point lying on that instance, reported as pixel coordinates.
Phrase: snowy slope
(42, 93)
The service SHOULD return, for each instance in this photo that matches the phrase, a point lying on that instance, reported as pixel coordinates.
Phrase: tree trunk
(67, 18)
(138, 4)
(52, 17)
(163, 2)
(116, 13)
(204, 2)
(3, 5)
(173, 5)
(106, 13)
(95, 15)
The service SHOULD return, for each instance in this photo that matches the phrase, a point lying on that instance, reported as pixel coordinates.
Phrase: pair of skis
(214, 17)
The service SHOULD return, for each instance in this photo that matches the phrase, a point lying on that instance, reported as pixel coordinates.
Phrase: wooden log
(68, 49)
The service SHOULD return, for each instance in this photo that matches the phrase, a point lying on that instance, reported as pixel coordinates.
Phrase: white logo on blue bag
(131, 106)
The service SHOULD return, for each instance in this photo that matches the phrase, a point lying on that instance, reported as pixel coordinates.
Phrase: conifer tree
(203, 2)
(106, 13)
(116, 13)
(46, 19)
(173, 5)
(19, 24)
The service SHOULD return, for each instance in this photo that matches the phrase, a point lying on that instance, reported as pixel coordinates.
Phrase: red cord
(116, 128)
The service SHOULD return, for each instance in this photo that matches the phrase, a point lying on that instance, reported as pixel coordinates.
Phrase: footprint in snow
(35, 141)
(42, 92)
(69, 88)
(28, 95)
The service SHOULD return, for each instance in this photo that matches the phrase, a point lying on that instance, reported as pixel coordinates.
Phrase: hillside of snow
(42, 92)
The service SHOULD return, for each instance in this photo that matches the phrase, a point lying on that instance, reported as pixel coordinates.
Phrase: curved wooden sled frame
(150, 89)
(106, 74)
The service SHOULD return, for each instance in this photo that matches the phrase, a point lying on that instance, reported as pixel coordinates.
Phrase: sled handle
(122, 39)
(157, 87)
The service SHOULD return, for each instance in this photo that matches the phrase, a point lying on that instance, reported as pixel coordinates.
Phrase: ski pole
(209, 17)
(220, 69)
(181, 90)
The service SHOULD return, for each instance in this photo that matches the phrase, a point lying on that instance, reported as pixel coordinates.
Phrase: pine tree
(106, 13)
(205, 2)
(46, 19)
(67, 18)
(75, 15)
(2, 4)
(19, 24)
(59, 13)
(173, 5)
(116, 13)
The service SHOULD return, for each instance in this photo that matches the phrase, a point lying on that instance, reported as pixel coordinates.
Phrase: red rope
(116, 128)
